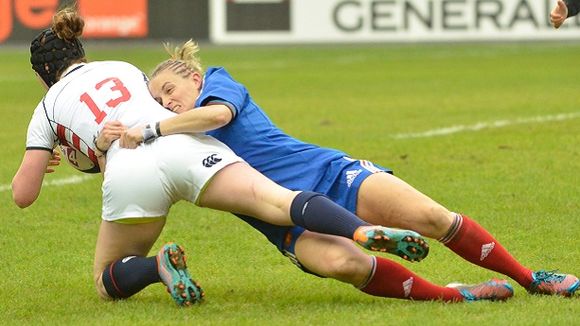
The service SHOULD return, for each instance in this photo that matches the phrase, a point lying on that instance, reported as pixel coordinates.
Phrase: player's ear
(197, 79)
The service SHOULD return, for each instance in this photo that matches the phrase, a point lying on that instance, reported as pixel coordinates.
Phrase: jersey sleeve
(40, 134)
(220, 88)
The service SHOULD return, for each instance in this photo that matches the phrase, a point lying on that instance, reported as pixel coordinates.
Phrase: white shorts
(146, 181)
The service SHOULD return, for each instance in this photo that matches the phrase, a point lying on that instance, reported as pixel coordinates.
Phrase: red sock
(392, 280)
(472, 242)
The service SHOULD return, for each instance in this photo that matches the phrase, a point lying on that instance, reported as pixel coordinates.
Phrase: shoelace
(549, 276)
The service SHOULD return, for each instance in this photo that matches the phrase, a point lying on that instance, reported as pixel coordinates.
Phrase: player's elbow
(221, 119)
(22, 202)
(22, 198)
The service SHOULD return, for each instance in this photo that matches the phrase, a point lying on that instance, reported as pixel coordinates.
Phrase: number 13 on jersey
(113, 88)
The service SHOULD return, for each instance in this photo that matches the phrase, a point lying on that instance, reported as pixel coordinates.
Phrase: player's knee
(100, 287)
(347, 267)
(436, 220)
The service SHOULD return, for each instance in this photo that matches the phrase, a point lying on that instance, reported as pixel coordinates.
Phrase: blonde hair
(183, 60)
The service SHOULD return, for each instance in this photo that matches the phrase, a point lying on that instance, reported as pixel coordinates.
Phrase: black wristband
(100, 150)
(158, 128)
(97, 146)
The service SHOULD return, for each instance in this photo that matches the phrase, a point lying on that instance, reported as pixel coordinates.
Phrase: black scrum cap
(49, 54)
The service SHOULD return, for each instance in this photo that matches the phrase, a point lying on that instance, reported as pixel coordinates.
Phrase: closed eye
(167, 88)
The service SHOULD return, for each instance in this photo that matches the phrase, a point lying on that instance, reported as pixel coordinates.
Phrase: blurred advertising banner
(114, 18)
(21, 20)
(303, 21)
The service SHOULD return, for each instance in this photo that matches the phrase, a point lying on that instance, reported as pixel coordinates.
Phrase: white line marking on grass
(57, 182)
(487, 125)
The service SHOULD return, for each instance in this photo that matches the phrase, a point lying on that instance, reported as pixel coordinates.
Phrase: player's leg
(135, 202)
(338, 258)
(116, 242)
(241, 189)
(316, 253)
(388, 200)
(384, 198)
(331, 256)
(121, 268)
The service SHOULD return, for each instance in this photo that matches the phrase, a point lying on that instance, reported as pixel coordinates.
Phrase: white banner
(320, 21)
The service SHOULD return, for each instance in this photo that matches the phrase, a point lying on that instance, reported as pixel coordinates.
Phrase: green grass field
(490, 130)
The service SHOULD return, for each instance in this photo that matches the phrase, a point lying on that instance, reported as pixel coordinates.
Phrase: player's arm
(112, 130)
(102, 161)
(198, 120)
(27, 181)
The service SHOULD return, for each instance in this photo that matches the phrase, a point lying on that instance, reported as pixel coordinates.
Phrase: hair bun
(67, 24)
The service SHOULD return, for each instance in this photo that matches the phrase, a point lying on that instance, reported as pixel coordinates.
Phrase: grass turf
(517, 175)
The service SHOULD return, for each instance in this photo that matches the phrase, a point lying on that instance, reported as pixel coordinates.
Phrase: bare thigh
(387, 200)
(239, 188)
(332, 256)
(116, 241)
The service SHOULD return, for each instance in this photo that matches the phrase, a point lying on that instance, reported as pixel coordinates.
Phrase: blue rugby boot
(406, 244)
(552, 283)
(492, 290)
(173, 272)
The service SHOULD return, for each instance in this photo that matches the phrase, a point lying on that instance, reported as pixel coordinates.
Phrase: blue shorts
(340, 183)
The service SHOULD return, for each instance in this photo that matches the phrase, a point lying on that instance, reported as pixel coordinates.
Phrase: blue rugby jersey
(252, 135)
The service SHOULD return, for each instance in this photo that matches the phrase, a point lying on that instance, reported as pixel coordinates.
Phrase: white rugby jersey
(75, 109)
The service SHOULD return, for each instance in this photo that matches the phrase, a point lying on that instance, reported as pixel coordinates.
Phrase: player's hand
(111, 131)
(132, 137)
(559, 14)
(53, 161)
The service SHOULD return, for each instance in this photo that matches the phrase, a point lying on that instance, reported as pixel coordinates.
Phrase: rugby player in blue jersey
(217, 104)
(140, 186)
(563, 10)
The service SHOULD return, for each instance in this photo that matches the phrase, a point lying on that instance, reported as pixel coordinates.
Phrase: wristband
(149, 133)
(97, 146)
(100, 150)
(158, 128)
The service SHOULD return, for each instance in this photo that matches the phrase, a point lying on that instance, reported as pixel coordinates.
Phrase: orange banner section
(35, 14)
(5, 19)
(114, 18)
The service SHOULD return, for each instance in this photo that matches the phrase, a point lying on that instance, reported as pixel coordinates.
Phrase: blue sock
(316, 212)
(125, 277)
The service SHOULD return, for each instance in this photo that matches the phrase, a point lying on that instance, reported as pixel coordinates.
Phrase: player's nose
(166, 103)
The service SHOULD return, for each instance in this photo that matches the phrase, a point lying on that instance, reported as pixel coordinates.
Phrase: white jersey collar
(71, 68)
